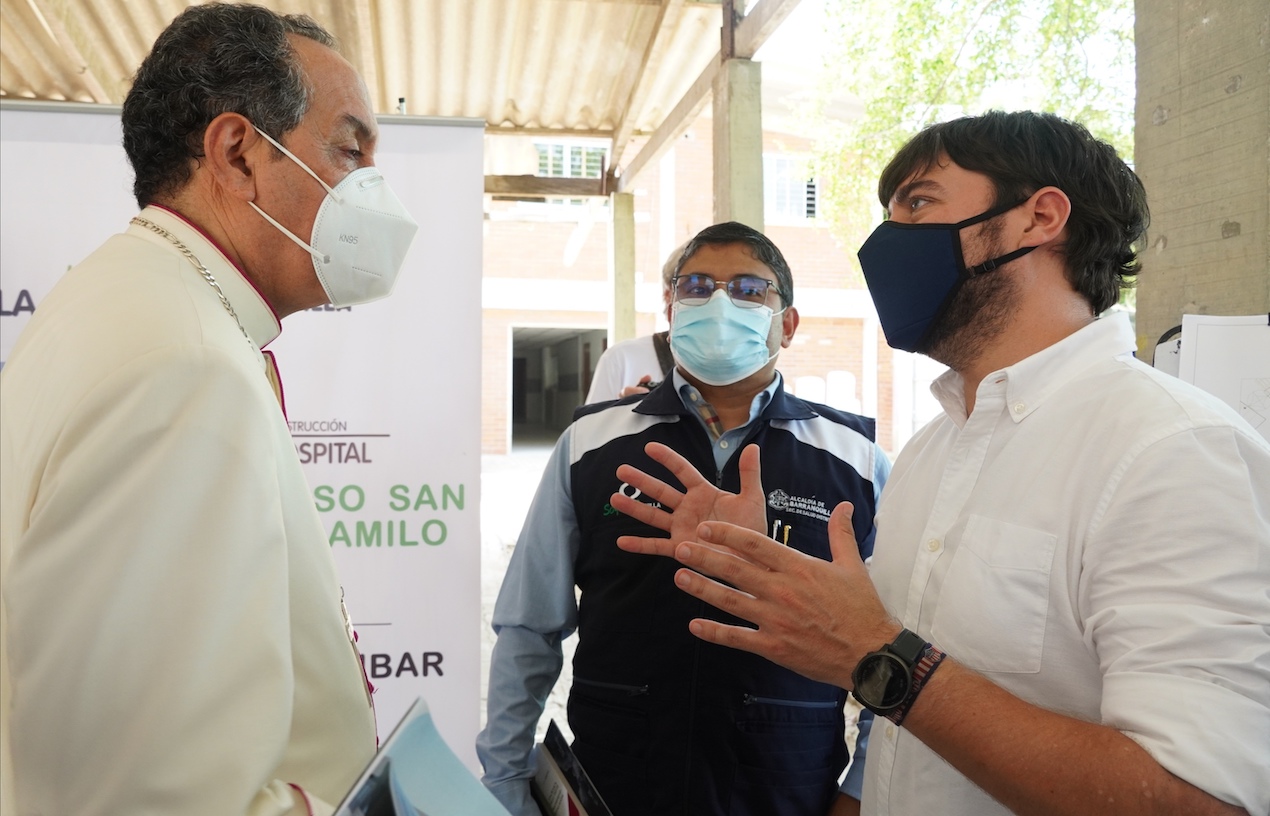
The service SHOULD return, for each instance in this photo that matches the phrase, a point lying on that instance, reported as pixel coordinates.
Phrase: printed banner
(383, 400)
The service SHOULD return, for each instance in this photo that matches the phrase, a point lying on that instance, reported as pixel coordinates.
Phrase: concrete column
(622, 266)
(869, 359)
(738, 144)
(1202, 133)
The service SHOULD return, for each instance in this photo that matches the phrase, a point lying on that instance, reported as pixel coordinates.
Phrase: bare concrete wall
(1203, 152)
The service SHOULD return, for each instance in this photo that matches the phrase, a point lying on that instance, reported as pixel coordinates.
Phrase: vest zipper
(751, 699)
(631, 691)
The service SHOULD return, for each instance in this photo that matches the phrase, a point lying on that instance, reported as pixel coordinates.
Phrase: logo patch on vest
(810, 507)
(632, 493)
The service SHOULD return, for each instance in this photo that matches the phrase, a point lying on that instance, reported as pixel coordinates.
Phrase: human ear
(229, 157)
(1049, 208)
(789, 325)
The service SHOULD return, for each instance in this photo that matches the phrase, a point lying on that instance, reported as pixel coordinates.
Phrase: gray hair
(670, 267)
(212, 59)
(761, 247)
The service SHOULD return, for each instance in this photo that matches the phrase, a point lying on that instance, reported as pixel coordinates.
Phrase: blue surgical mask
(914, 270)
(720, 343)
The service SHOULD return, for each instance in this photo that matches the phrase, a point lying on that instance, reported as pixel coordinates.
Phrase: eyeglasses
(745, 291)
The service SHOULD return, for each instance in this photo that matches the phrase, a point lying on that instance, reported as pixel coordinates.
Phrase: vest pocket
(789, 756)
(610, 723)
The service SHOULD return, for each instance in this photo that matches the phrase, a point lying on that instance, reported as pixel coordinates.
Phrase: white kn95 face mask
(360, 236)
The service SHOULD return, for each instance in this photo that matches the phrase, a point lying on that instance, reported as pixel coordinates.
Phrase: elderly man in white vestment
(173, 638)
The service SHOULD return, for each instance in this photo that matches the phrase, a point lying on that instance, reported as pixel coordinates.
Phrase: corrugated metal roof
(564, 66)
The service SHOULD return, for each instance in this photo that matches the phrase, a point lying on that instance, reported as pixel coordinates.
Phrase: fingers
(683, 470)
(736, 637)
(647, 546)
(751, 474)
(730, 566)
(725, 598)
(650, 486)
(752, 546)
(842, 542)
(640, 511)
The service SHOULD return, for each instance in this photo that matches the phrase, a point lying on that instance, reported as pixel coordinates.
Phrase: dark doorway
(520, 367)
(551, 372)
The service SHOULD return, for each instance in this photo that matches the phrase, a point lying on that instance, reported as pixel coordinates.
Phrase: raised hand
(642, 387)
(815, 617)
(682, 510)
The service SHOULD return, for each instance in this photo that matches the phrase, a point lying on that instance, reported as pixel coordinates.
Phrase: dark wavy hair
(210, 60)
(761, 247)
(1022, 152)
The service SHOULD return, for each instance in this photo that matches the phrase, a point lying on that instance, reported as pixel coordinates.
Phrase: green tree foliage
(917, 62)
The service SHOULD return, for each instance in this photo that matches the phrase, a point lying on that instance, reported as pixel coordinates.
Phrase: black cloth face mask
(913, 271)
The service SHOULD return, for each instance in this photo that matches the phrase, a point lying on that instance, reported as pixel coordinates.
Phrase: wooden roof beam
(752, 31)
(544, 187)
(548, 133)
(675, 125)
(653, 53)
(754, 28)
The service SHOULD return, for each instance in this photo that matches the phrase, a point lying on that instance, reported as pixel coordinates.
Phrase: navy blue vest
(663, 722)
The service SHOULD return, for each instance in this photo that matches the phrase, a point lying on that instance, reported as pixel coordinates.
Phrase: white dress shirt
(621, 365)
(172, 640)
(1095, 539)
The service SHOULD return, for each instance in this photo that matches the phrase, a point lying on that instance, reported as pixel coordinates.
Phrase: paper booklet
(560, 786)
(415, 773)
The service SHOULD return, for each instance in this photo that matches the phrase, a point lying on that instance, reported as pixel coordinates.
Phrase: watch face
(882, 681)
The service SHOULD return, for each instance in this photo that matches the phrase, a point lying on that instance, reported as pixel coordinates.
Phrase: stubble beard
(981, 309)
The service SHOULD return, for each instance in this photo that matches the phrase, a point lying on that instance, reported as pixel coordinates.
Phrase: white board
(1229, 357)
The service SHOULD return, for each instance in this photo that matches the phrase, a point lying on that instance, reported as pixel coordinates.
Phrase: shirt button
(1020, 407)
(890, 732)
(723, 443)
(933, 545)
(693, 397)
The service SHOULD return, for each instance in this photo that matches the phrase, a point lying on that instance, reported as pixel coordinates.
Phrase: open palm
(682, 510)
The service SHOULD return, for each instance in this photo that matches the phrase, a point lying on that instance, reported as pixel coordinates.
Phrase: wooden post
(738, 144)
(622, 266)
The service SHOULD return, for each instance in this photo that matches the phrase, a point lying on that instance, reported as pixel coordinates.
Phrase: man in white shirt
(1066, 611)
(173, 638)
(637, 365)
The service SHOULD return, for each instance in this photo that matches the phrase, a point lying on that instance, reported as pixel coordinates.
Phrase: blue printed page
(416, 774)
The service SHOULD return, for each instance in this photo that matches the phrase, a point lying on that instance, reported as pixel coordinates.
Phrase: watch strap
(907, 646)
(925, 667)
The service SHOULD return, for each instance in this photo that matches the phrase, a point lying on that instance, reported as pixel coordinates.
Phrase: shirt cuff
(514, 795)
(1203, 733)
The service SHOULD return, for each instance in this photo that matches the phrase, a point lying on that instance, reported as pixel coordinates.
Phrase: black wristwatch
(888, 680)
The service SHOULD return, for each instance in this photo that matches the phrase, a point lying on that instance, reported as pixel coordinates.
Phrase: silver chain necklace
(202, 270)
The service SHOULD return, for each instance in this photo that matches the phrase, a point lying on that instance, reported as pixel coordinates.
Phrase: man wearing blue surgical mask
(1066, 612)
(663, 723)
(173, 637)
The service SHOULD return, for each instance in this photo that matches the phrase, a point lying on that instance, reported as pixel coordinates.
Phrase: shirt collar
(777, 404)
(1029, 382)
(687, 391)
(254, 313)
